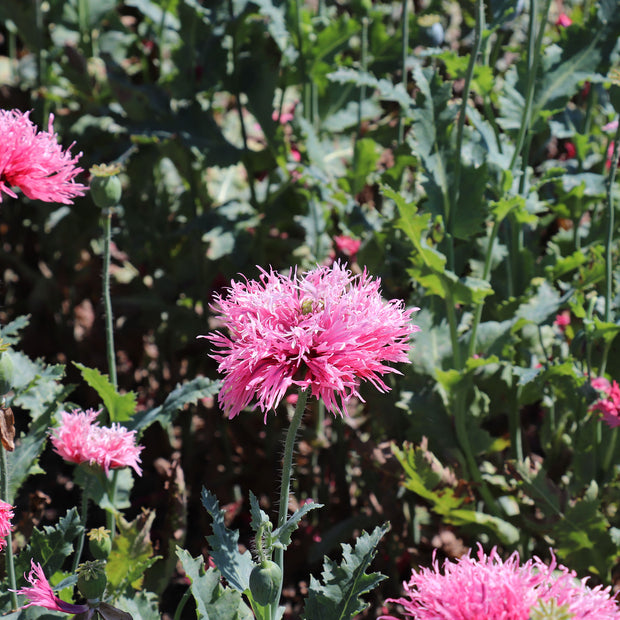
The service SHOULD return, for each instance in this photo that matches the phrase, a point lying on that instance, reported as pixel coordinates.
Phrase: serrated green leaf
(385, 88)
(213, 601)
(24, 460)
(505, 531)
(259, 516)
(131, 555)
(338, 598)
(120, 407)
(184, 394)
(234, 565)
(9, 333)
(35, 384)
(51, 545)
(283, 534)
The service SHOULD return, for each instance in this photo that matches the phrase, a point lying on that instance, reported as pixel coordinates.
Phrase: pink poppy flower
(609, 405)
(488, 588)
(80, 439)
(40, 593)
(324, 331)
(35, 162)
(6, 514)
(347, 245)
(564, 21)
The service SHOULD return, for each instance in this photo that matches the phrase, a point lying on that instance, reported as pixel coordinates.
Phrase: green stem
(485, 276)
(610, 226)
(181, 605)
(463, 112)
(9, 559)
(363, 67)
(609, 453)
(244, 136)
(404, 53)
(107, 301)
(454, 337)
(514, 421)
(534, 53)
(83, 515)
(285, 485)
(460, 425)
(110, 516)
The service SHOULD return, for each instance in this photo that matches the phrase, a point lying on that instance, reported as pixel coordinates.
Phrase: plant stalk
(107, 301)
(404, 52)
(83, 515)
(285, 485)
(9, 558)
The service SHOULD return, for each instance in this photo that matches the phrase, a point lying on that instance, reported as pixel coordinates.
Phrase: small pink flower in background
(6, 514)
(488, 588)
(564, 21)
(40, 593)
(295, 154)
(609, 405)
(79, 439)
(347, 245)
(612, 126)
(562, 320)
(287, 115)
(35, 162)
(325, 331)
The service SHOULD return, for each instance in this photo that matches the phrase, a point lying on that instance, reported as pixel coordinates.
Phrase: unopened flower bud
(265, 580)
(100, 543)
(7, 372)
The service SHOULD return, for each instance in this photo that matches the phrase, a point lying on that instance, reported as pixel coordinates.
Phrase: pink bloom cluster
(487, 588)
(35, 162)
(40, 593)
(80, 439)
(324, 330)
(609, 405)
(6, 514)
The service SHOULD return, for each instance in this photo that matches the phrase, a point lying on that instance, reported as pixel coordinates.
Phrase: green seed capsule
(92, 579)
(7, 372)
(106, 191)
(265, 580)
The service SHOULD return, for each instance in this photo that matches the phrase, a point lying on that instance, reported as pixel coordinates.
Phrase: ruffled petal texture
(35, 162)
(324, 331)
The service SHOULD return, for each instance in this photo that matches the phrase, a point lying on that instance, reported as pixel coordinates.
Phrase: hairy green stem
(9, 558)
(404, 53)
(107, 301)
(285, 485)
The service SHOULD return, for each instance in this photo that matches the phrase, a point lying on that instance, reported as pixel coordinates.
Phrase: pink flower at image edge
(40, 593)
(79, 439)
(325, 331)
(609, 405)
(35, 162)
(488, 588)
(6, 514)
